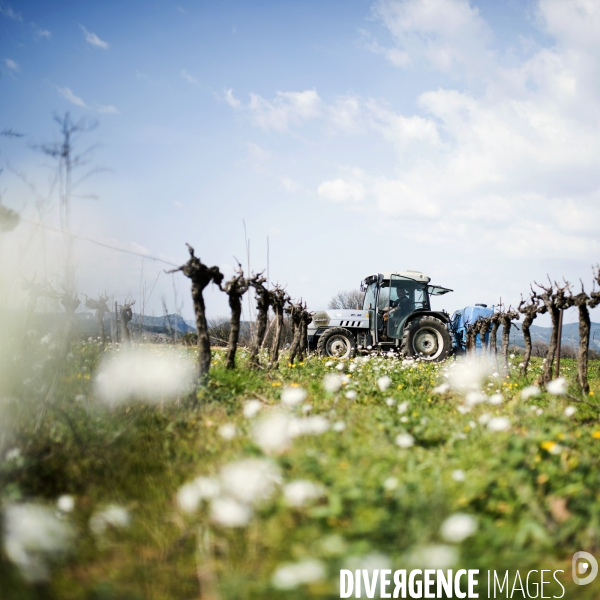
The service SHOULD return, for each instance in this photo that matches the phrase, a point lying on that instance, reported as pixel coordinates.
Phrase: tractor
(396, 316)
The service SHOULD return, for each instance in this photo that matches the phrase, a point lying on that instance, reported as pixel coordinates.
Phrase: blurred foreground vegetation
(534, 489)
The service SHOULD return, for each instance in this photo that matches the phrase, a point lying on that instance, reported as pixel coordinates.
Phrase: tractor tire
(426, 338)
(337, 342)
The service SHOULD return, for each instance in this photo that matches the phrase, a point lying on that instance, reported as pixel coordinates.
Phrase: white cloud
(189, 78)
(42, 33)
(12, 64)
(231, 99)
(67, 94)
(7, 11)
(93, 39)
(445, 33)
(288, 108)
(108, 109)
(340, 190)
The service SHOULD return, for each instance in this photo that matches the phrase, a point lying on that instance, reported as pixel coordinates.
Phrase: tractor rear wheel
(337, 342)
(426, 338)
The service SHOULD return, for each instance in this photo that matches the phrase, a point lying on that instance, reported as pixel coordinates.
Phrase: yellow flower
(400, 386)
(276, 384)
(591, 392)
(548, 445)
(596, 435)
(294, 385)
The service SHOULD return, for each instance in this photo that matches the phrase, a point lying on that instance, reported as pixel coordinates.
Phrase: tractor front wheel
(337, 342)
(426, 338)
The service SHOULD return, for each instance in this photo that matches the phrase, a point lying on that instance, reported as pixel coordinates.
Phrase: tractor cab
(391, 299)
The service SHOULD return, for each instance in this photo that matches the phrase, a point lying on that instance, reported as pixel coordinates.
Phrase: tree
(126, 316)
(351, 299)
(235, 288)
(530, 309)
(495, 322)
(279, 299)
(295, 310)
(101, 307)
(555, 300)
(507, 318)
(263, 302)
(201, 276)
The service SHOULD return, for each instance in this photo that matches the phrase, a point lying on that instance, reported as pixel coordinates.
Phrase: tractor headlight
(321, 319)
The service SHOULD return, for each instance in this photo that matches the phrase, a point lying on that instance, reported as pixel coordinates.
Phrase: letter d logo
(582, 568)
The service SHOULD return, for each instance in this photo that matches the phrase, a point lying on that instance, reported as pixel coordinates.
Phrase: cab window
(370, 296)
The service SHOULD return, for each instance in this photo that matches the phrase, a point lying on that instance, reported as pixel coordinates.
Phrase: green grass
(535, 503)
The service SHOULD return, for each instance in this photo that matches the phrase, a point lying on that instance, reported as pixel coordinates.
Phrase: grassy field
(266, 484)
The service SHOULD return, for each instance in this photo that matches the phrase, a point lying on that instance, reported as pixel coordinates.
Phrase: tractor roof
(415, 275)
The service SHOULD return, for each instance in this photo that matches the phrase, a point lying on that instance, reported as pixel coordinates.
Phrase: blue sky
(458, 138)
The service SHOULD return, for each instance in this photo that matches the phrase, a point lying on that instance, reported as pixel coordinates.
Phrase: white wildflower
(112, 516)
(529, 392)
(511, 356)
(300, 492)
(229, 512)
(391, 483)
(65, 503)
(383, 383)
(201, 488)
(468, 375)
(251, 408)
(441, 389)
(458, 527)
(339, 426)
(351, 395)
(33, 535)
(12, 454)
(341, 366)
(228, 431)
(463, 410)
(558, 387)
(458, 475)
(496, 399)
(307, 408)
(271, 433)
(292, 396)
(332, 383)
(314, 425)
(250, 480)
(329, 363)
(403, 407)
(498, 424)
(473, 398)
(390, 401)
(484, 418)
(436, 556)
(291, 575)
(570, 411)
(404, 440)
(144, 375)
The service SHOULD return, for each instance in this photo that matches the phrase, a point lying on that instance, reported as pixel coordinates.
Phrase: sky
(454, 137)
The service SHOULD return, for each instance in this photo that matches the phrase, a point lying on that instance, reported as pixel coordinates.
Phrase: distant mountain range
(570, 335)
